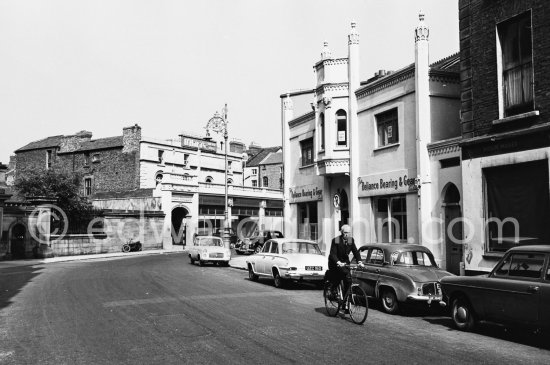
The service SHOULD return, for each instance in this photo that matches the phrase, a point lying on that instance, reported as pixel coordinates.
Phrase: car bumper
(303, 276)
(425, 298)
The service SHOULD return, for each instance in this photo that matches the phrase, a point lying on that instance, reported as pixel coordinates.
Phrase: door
(453, 238)
(371, 273)
(262, 257)
(18, 242)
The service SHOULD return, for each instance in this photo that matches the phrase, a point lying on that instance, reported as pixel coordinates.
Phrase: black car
(255, 243)
(218, 232)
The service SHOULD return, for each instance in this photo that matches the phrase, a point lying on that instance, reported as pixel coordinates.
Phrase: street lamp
(218, 124)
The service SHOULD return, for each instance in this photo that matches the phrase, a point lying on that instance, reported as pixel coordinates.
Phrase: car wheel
(251, 274)
(389, 301)
(279, 282)
(463, 315)
(191, 260)
(201, 263)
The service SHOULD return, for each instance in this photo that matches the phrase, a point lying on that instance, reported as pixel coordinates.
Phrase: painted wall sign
(198, 143)
(395, 182)
(305, 193)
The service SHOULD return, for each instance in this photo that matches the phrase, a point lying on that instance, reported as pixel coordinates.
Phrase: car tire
(389, 301)
(251, 275)
(191, 260)
(462, 314)
(278, 280)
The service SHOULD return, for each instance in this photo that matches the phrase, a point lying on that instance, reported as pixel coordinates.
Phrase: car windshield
(415, 258)
(210, 241)
(301, 247)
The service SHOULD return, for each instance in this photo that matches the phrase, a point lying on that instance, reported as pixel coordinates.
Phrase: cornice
(385, 82)
(302, 119)
(333, 162)
(331, 62)
(444, 147)
(342, 86)
(446, 77)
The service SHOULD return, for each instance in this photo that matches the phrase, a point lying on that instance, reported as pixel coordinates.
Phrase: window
(254, 183)
(48, 159)
(307, 221)
(254, 171)
(376, 257)
(158, 179)
(523, 265)
(307, 151)
(281, 182)
(517, 205)
(266, 247)
(341, 128)
(386, 124)
(274, 247)
(229, 165)
(322, 130)
(449, 162)
(87, 186)
(86, 159)
(161, 156)
(208, 179)
(391, 219)
(229, 182)
(185, 160)
(265, 181)
(95, 157)
(517, 64)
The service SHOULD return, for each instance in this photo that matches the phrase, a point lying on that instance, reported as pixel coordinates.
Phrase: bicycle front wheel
(332, 304)
(358, 304)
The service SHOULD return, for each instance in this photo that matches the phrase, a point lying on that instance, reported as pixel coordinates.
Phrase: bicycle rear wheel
(358, 304)
(332, 304)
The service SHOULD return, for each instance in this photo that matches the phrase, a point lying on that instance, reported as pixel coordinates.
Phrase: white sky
(101, 65)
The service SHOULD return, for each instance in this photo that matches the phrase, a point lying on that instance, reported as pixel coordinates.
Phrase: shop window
(322, 130)
(341, 128)
(307, 151)
(265, 181)
(307, 221)
(516, 64)
(87, 186)
(386, 124)
(517, 205)
(391, 219)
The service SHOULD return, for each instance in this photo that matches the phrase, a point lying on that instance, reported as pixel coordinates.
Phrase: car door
(276, 258)
(513, 289)
(371, 272)
(262, 257)
(193, 249)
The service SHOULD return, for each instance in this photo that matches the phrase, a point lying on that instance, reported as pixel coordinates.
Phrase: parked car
(287, 259)
(515, 292)
(209, 249)
(254, 243)
(218, 232)
(399, 273)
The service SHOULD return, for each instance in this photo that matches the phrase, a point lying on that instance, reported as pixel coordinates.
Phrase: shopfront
(306, 200)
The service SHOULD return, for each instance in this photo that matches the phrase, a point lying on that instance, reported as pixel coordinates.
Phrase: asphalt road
(161, 310)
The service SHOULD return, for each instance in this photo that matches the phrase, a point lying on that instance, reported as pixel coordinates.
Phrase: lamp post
(218, 124)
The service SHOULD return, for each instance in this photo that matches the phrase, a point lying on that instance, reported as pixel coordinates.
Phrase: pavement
(237, 261)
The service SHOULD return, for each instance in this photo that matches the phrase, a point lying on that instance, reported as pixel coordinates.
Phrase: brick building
(505, 99)
(255, 174)
(270, 171)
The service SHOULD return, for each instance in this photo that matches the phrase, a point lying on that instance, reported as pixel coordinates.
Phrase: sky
(168, 65)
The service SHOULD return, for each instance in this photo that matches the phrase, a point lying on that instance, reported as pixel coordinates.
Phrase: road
(160, 309)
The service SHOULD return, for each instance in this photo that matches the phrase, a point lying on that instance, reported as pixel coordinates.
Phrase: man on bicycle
(340, 249)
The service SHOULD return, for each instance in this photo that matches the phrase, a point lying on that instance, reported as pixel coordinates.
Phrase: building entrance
(179, 225)
(453, 229)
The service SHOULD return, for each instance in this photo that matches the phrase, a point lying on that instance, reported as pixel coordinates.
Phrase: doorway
(179, 225)
(453, 229)
(17, 248)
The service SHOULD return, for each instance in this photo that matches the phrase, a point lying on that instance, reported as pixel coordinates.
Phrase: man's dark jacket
(339, 251)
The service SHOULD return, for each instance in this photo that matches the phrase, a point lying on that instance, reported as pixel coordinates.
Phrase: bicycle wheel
(332, 304)
(358, 304)
(125, 248)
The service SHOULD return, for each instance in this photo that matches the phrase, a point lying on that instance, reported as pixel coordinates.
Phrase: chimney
(131, 136)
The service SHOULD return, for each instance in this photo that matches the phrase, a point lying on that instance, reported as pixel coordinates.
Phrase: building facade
(361, 153)
(504, 49)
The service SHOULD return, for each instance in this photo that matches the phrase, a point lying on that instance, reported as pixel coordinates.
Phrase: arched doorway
(453, 228)
(179, 225)
(344, 208)
(17, 248)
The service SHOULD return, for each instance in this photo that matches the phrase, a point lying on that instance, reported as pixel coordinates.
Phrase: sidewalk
(31, 262)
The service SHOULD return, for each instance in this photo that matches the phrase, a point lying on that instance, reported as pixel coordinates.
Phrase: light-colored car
(287, 259)
(515, 293)
(399, 273)
(209, 249)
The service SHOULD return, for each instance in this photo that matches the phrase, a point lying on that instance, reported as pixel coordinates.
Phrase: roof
(136, 193)
(534, 248)
(257, 158)
(272, 158)
(397, 246)
(102, 143)
(47, 142)
(449, 63)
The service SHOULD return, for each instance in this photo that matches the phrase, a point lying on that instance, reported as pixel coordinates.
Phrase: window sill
(341, 148)
(386, 147)
(306, 166)
(512, 118)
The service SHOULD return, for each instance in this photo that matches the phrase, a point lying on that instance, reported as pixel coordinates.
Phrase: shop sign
(181, 198)
(305, 193)
(198, 143)
(395, 182)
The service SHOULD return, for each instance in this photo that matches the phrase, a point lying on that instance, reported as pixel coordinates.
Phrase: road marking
(122, 303)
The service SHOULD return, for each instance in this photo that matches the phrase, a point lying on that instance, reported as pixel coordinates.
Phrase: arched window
(208, 179)
(158, 178)
(265, 180)
(341, 128)
(322, 130)
(229, 182)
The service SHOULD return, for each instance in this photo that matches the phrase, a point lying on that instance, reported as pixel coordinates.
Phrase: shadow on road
(518, 335)
(13, 280)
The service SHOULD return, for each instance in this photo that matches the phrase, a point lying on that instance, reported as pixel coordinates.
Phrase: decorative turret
(422, 32)
(326, 53)
(353, 36)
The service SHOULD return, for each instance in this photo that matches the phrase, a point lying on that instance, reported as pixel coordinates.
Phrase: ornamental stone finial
(422, 32)
(353, 37)
(287, 103)
(326, 53)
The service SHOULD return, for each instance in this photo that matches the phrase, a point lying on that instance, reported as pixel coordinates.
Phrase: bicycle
(355, 300)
